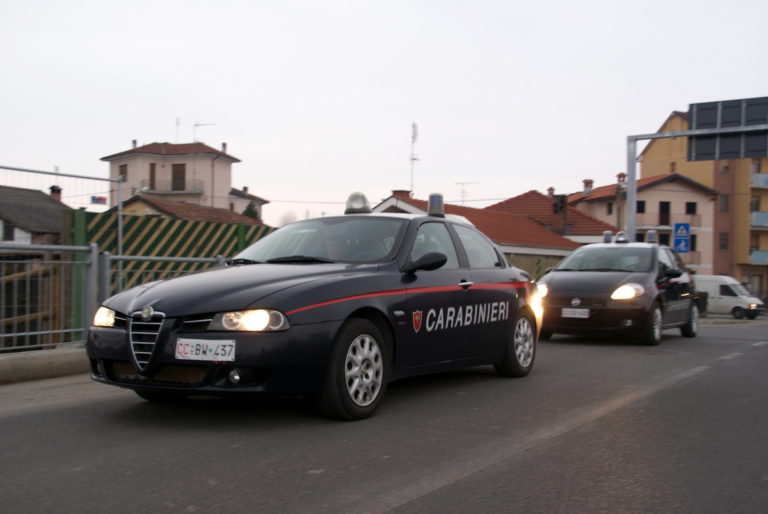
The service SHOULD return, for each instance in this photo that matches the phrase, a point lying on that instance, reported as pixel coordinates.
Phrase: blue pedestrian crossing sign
(682, 230)
(681, 241)
(682, 245)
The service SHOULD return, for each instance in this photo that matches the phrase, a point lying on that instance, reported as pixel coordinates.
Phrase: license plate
(205, 350)
(575, 313)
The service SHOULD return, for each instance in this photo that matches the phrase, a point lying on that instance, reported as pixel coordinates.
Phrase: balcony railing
(759, 257)
(759, 219)
(655, 219)
(167, 187)
(760, 180)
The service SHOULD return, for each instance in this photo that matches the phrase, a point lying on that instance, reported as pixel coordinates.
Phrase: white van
(728, 296)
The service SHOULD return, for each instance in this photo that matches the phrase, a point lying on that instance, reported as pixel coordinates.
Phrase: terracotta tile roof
(603, 192)
(502, 227)
(171, 149)
(191, 212)
(243, 194)
(539, 207)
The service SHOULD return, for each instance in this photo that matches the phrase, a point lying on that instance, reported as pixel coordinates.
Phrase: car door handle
(465, 284)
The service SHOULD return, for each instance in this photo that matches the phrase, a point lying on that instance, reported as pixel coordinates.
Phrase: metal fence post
(90, 282)
(105, 268)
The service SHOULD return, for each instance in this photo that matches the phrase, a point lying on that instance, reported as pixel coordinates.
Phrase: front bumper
(290, 362)
(602, 319)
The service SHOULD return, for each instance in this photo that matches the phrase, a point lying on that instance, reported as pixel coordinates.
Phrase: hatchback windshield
(354, 239)
(608, 258)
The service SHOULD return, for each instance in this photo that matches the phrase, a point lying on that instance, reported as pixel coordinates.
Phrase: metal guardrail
(49, 293)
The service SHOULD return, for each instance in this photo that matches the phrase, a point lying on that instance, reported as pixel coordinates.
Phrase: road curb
(35, 365)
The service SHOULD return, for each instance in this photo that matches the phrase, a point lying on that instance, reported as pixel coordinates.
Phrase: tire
(738, 313)
(691, 327)
(357, 374)
(751, 316)
(161, 396)
(545, 335)
(651, 333)
(521, 348)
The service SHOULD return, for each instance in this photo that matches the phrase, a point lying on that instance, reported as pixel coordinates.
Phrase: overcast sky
(317, 97)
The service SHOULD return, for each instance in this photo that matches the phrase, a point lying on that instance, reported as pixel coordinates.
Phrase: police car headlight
(104, 317)
(627, 292)
(255, 320)
(537, 299)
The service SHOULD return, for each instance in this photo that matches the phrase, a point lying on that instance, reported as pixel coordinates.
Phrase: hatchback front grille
(143, 334)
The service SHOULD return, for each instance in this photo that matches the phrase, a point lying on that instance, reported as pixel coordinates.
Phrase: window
(724, 202)
(726, 290)
(434, 237)
(480, 251)
(640, 237)
(690, 207)
(666, 261)
(609, 208)
(640, 209)
(754, 204)
(664, 239)
(664, 213)
(152, 176)
(723, 240)
(9, 232)
(672, 167)
(122, 172)
(178, 177)
(693, 242)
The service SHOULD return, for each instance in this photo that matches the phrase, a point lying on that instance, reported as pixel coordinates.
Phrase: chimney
(134, 143)
(224, 147)
(621, 178)
(55, 193)
(401, 193)
(588, 185)
(551, 191)
(559, 207)
(245, 188)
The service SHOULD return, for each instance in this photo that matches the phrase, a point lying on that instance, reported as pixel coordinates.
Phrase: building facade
(740, 228)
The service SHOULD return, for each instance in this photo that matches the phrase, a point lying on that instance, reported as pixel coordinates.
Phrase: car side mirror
(429, 261)
(673, 273)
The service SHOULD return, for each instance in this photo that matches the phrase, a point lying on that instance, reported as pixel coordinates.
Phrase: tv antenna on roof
(464, 190)
(194, 129)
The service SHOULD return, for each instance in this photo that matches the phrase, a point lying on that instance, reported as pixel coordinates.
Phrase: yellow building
(740, 231)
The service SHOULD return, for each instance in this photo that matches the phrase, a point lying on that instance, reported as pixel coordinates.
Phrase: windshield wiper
(235, 262)
(298, 258)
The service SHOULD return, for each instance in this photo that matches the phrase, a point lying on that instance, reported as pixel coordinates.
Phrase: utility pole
(414, 138)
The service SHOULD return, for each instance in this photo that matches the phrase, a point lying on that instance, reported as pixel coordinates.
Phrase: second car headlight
(104, 317)
(627, 291)
(253, 320)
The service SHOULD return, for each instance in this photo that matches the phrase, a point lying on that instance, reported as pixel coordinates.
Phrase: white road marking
(731, 356)
(761, 343)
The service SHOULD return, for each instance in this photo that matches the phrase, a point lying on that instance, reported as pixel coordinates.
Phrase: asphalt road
(599, 426)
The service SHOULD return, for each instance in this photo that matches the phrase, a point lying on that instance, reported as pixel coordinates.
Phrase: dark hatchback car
(634, 289)
(333, 308)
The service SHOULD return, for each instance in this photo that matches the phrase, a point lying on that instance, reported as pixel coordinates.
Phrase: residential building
(144, 206)
(192, 173)
(29, 216)
(740, 230)
(552, 212)
(661, 202)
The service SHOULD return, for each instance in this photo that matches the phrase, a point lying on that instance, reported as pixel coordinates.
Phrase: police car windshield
(351, 239)
(608, 258)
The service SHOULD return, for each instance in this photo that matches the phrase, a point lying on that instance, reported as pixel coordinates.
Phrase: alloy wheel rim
(524, 341)
(363, 370)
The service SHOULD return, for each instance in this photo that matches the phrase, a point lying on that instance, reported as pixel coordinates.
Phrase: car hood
(225, 289)
(594, 282)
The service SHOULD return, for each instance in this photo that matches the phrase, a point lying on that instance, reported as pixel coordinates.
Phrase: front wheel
(357, 373)
(651, 334)
(691, 327)
(521, 348)
(738, 313)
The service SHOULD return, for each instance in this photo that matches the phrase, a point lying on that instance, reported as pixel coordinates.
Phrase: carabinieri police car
(332, 307)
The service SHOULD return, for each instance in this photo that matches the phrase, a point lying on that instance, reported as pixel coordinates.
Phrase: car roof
(621, 245)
